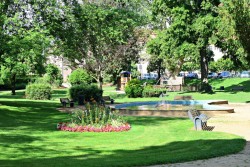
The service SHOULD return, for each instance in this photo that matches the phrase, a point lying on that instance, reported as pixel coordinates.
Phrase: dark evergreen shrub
(90, 92)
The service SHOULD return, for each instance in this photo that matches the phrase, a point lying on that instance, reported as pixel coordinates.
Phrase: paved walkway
(236, 123)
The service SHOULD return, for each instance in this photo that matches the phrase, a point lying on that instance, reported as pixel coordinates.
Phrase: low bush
(134, 88)
(150, 91)
(38, 91)
(88, 91)
(150, 81)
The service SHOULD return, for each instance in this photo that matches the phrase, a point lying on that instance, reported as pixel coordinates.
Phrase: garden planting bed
(107, 128)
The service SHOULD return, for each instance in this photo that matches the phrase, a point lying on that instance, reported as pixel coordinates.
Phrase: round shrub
(88, 91)
(134, 88)
(79, 76)
(38, 92)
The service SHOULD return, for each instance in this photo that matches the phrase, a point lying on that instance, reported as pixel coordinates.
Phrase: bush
(38, 91)
(134, 88)
(88, 91)
(53, 75)
(79, 76)
(149, 81)
(149, 91)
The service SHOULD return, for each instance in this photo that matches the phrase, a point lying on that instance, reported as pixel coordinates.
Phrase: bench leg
(64, 104)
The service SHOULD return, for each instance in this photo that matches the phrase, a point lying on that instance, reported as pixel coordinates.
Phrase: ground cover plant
(29, 138)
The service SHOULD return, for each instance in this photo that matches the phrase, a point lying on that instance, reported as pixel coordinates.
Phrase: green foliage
(222, 65)
(149, 81)
(88, 91)
(96, 116)
(38, 91)
(192, 26)
(134, 88)
(190, 66)
(102, 30)
(53, 75)
(233, 30)
(79, 76)
(150, 91)
(23, 41)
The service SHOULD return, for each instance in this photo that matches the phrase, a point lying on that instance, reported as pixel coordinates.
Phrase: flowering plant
(95, 118)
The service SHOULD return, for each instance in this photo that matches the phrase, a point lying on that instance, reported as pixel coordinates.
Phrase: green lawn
(28, 137)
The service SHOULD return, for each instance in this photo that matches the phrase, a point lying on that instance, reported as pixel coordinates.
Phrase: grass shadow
(176, 151)
(7, 95)
(31, 115)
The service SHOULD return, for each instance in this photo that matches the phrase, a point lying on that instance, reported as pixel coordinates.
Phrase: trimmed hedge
(89, 92)
(38, 92)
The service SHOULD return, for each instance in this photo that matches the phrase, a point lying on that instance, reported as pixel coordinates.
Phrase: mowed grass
(28, 137)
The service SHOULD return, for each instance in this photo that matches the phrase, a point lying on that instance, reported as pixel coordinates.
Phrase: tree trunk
(99, 75)
(13, 84)
(114, 76)
(159, 73)
(100, 80)
(204, 70)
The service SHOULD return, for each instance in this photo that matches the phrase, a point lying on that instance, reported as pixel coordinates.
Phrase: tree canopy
(99, 30)
(23, 42)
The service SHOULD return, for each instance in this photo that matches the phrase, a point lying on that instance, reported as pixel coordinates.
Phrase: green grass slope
(28, 137)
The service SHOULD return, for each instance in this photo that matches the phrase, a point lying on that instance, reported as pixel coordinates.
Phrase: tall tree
(233, 31)
(23, 42)
(127, 54)
(98, 30)
(191, 30)
(156, 61)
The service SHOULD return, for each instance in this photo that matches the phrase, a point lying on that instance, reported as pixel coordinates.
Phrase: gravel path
(237, 123)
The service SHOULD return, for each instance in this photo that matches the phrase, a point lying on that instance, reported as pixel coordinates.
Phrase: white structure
(62, 64)
(217, 52)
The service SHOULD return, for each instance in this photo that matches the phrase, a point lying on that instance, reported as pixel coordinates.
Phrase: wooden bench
(107, 98)
(183, 98)
(236, 88)
(199, 120)
(65, 101)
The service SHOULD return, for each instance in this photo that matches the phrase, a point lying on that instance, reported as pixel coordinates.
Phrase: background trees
(233, 31)
(99, 31)
(192, 27)
(105, 37)
(23, 42)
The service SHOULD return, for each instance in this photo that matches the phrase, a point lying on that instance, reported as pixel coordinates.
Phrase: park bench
(183, 98)
(236, 88)
(107, 98)
(65, 101)
(199, 120)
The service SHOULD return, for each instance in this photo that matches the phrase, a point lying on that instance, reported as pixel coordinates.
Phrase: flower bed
(79, 128)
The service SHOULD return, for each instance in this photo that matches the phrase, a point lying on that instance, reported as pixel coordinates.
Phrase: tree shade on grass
(29, 138)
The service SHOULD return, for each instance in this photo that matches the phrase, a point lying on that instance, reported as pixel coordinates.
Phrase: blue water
(170, 105)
